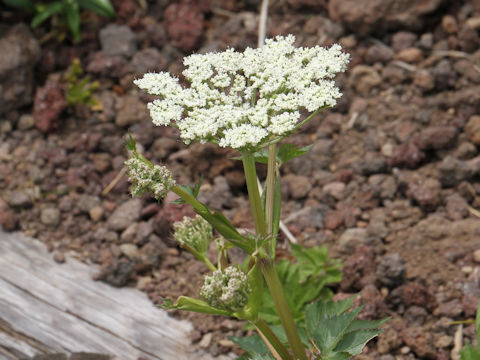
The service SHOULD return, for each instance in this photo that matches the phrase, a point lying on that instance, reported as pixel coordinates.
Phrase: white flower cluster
(195, 232)
(145, 177)
(227, 290)
(241, 100)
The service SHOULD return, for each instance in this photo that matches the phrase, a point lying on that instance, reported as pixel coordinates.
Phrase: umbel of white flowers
(243, 100)
(146, 177)
(195, 232)
(227, 289)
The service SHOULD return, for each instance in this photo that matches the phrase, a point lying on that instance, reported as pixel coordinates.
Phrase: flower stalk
(254, 195)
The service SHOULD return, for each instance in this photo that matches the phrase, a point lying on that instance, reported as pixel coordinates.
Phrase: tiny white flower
(145, 177)
(227, 289)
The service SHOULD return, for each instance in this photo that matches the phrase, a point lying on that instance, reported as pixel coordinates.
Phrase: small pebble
(206, 341)
(59, 257)
(50, 216)
(404, 350)
(476, 256)
(96, 213)
(467, 269)
(226, 343)
(443, 341)
(25, 122)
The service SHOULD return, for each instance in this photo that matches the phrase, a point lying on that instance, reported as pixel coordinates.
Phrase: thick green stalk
(270, 189)
(272, 340)
(275, 287)
(270, 186)
(254, 194)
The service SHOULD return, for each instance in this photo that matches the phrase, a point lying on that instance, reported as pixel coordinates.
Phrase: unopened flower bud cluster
(240, 100)
(195, 232)
(145, 177)
(227, 290)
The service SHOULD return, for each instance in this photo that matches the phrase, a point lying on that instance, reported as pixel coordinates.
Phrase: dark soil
(391, 184)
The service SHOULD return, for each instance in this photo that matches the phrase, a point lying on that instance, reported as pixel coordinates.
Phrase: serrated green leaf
(318, 311)
(332, 329)
(46, 11)
(367, 325)
(251, 344)
(353, 342)
(314, 261)
(288, 152)
(196, 188)
(189, 190)
(101, 7)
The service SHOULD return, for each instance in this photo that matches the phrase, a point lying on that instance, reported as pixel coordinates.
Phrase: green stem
(209, 264)
(270, 186)
(271, 339)
(226, 230)
(270, 189)
(253, 193)
(275, 287)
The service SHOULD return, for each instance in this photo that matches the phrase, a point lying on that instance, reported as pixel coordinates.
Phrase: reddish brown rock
(449, 24)
(374, 303)
(364, 79)
(359, 269)
(20, 52)
(112, 66)
(420, 340)
(410, 55)
(426, 192)
(184, 22)
(406, 155)
(333, 219)
(50, 102)
(8, 219)
(417, 294)
(367, 16)
(472, 129)
(437, 137)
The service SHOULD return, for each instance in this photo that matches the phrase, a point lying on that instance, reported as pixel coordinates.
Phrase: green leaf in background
(285, 153)
(470, 353)
(26, 5)
(192, 191)
(336, 332)
(314, 261)
(288, 152)
(251, 344)
(72, 13)
(101, 7)
(45, 11)
(304, 281)
(353, 342)
(331, 330)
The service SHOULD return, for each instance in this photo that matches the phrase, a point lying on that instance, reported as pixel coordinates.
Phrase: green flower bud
(227, 290)
(194, 232)
(146, 177)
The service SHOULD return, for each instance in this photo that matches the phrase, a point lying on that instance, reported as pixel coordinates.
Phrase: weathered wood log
(47, 308)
